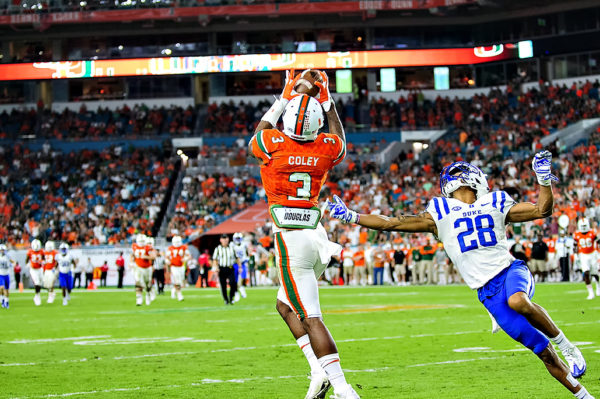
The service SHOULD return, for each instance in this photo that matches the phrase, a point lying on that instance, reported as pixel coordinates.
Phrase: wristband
(274, 113)
(547, 182)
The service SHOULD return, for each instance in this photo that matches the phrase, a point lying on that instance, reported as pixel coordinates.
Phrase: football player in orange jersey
(585, 252)
(50, 269)
(294, 167)
(35, 260)
(142, 269)
(177, 257)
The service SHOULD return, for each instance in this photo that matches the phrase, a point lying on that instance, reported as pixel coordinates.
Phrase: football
(306, 83)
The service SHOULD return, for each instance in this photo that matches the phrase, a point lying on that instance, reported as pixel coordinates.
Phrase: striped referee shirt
(225, 256)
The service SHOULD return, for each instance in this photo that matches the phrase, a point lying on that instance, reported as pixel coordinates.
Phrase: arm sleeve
(341, 151)
(259, 146)
(502, 201)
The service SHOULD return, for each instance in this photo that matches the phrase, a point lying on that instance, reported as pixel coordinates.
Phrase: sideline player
(294, 167)
(35, 260)
(50, 269)
(178, 255)
(241, 253)
(66, 264)
(585, 253)
(140, 261)
(6, 264)
(470, 221)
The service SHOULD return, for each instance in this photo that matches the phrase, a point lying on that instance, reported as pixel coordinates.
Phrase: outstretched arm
(526, 211)
(422, 222)
(326, 101)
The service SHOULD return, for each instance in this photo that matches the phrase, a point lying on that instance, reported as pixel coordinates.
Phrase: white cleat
(152, 295)
(148, 300)
(348, 393)
(590, 296)
(243, 291)
(65, 301)
(138, 300)
(37, 300)
(173, 293)
(576, 361)
(179, 296)
(236, 297)
(51, 297)
(319, 385)
(597, 289)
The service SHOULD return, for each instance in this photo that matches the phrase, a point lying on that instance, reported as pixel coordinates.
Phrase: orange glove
(324, 95)
(288, 90)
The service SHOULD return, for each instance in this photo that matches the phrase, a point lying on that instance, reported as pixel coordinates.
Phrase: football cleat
(148, 300)
(319, 385)
(576, 361)
(597, 289)
(65, 301)
(173, 293)
(236, 297)
(138, 300)
(152, 295)
(243, 291)
(348, 393)
(590, 296)
(179, 296)
(51, 296)
(37, 300)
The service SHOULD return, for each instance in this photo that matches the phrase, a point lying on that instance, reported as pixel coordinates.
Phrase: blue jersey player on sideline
(66, 264)
(241, 270)
(470, 222)
(5, 265)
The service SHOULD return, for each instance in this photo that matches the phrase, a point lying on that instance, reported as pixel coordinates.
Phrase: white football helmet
(64, 248)
(238, 237)
(3, 248)
(140, 240)
(36, 245)
(463, 174)
(176, 241)
(583, 225)
(302, 118)
(49, 246)
(150, 241)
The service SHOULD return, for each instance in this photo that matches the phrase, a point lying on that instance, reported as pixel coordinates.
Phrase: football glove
(542, 166)
(324, 98)
(288, 89)
(339, 210)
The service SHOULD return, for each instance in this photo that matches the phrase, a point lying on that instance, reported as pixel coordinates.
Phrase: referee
(224, 258)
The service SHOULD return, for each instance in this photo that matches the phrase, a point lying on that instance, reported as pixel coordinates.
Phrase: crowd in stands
(84, 197)
(138, 120)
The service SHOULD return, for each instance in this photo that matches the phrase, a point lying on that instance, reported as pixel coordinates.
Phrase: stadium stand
(83, 198)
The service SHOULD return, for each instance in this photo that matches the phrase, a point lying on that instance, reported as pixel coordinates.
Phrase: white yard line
(455, 361)
(46, 340)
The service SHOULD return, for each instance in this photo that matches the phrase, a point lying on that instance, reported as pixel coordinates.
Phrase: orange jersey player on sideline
(177, 257)
(585, 247)
(294, 166)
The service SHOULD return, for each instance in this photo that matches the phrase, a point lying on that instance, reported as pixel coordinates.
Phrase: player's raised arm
(326, 101)
(526, 211)
(416, 223)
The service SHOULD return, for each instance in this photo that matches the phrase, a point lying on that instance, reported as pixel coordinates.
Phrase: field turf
(394, 342)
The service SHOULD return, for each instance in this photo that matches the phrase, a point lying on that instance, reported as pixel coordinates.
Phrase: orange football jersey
(293, 172)
(50, 259)
(551, 243)
(177, 254)
(585, 242)
(138, 253)
(36, 258)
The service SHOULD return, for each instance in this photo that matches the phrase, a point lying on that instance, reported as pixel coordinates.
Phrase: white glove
(339, 210)
(542, 166)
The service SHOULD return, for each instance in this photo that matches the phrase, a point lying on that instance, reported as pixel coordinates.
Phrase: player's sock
(331, 365)
(583, 394)
(304, 344)
(562, 342)
(590, 290)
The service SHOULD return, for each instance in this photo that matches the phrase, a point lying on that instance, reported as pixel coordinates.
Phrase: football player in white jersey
(5, 265)
(471, 223)
(241, 252)
(66, 264)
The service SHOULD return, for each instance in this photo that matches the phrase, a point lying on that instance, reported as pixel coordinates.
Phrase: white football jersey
(5, 265)
(241, 251)
(64, 262)
(474, 235)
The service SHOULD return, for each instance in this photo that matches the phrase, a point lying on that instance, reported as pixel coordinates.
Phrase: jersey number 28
(485, 235)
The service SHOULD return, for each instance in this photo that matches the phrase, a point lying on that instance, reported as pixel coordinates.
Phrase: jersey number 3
(485, 235)
(302, 193)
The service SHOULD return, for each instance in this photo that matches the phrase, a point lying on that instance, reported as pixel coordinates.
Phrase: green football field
(394, 342)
